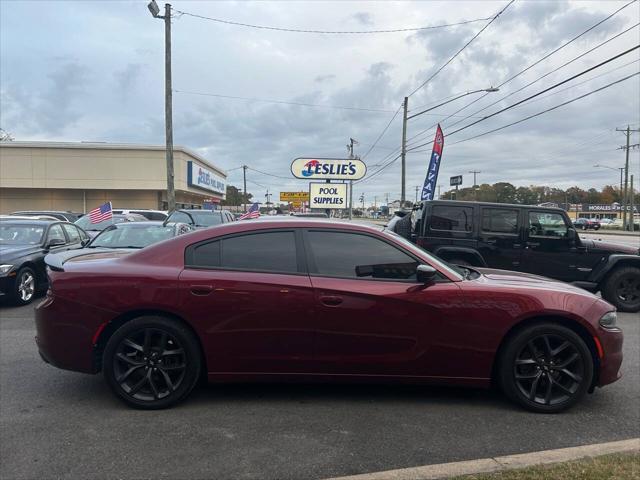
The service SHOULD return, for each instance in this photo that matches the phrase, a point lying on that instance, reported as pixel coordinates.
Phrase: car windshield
(457, 271)
(205, 218)
(128, 235)
(12, 234)
(85, 223)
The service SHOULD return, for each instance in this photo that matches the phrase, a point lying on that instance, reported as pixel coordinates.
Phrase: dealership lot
(63, 424)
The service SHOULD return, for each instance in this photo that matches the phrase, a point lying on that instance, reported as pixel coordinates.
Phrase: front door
(253, 300)
(499, 240)
(373, 317)
(548, 250)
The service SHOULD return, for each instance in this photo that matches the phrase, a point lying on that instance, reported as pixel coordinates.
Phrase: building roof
(110, 146)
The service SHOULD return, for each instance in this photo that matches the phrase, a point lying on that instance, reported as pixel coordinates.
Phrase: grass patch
(619, 466)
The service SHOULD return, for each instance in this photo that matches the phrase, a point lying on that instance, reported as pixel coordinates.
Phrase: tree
(5, 136)
(236, 197)
(505, 192)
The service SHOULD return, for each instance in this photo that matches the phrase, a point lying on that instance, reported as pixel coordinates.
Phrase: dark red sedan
(313, 299)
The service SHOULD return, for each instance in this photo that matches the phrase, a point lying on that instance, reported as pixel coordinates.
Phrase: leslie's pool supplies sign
(328, 195)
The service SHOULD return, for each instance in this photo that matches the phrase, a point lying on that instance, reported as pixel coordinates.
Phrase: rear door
(499, 240)
(252, 297)
(74, 235)
(373, 317)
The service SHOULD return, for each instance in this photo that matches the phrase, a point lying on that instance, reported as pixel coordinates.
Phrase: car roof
(24, 221)
(149, 223)
(468, 203)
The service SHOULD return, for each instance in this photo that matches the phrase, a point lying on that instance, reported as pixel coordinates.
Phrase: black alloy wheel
(152, 362)
(622, 289)
(546, 368)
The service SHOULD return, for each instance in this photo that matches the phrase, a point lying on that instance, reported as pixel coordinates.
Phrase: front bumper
(611, 360)
(7, 285)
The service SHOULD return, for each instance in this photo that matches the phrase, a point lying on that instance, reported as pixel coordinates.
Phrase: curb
(497, 464)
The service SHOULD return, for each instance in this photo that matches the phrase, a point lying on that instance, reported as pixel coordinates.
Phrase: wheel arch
(570, 323)
(112, 326)
(615, 262)
(470, 254)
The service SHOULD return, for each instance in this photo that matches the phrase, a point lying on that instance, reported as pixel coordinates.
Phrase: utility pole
(632, 206)
(244, 177)
(475, 190)
(417, 188)
(439, 187)
(362, 200)
(404, 151)
(625, 196)
(350, 147)
(168, 100)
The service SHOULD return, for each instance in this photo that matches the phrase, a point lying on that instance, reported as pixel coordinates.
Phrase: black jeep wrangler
(529, 239)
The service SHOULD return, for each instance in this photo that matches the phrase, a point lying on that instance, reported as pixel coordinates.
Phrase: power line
(332, 32)
(383, 132)
(547, 110)
(284, 102)
(268, 174)
(611, 59)
(460, 51)
(537, 62)
(548, 73)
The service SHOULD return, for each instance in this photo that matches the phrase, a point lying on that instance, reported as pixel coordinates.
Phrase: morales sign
(328, 168)
(429, 187)
(328, 195)
(200, 177)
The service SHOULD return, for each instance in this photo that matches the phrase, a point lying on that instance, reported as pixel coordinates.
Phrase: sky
(94, 71)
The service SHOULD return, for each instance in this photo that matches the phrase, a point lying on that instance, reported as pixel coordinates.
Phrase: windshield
(128, 236)
(13, 234)
(204, 218)
(85, 223)
(457, 271)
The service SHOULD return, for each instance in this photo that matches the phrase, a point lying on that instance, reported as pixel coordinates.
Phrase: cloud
(324, 78)
(364, 18)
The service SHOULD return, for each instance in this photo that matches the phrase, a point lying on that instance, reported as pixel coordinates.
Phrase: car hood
(608, 247)
(58, 260)
(519, 279)
(11, 252)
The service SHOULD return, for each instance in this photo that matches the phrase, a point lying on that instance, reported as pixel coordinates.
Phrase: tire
(570, 369)
(622, 289)
(25, 286)
(152, 362)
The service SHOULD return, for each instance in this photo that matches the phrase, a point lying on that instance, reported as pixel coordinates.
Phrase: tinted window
(206, 255)
(445, 217)
(56, 232)
(499, 220)
(73, 233)
(545, 224)
(352, 255)
(270, 251)
(131, 235)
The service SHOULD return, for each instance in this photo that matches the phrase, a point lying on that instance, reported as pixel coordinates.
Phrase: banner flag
(434, 166)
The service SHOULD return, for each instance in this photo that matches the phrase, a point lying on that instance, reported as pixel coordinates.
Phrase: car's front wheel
(25, 287)
(546, 368)
(622, 289)
(152, 362)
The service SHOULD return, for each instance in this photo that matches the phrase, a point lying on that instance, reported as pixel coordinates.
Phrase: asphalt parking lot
(57, 424)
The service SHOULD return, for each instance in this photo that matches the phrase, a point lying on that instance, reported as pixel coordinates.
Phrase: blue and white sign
(200, 177)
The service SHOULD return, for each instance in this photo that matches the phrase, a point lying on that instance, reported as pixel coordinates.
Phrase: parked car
(66, 216)
(126, 237)
(23, 246)
(310, 214)
(94, 229)
(201, 218)
(587, 224)
(530, 239)
(605, 221)
(300, 299)
(148, 214)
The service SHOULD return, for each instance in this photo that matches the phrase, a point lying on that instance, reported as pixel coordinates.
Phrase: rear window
(451, 218)
(499, 220)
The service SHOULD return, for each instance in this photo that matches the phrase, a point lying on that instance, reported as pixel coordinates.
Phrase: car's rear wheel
(546, 368)
(25, 287)
(152, 362)
(622, 289)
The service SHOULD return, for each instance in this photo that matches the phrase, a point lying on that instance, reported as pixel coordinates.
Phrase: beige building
(81, 176)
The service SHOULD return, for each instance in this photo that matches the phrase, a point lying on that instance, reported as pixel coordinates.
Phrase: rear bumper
(611, 360)
(65, 332)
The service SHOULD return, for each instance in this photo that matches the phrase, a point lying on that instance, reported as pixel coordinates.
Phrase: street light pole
(168, 99)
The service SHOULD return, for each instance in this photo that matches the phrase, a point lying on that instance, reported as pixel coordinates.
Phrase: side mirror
(425, 273)
(572, 235)
(54, 242)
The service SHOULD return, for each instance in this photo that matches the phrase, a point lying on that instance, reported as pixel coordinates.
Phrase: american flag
(102, 213)
(253, 212)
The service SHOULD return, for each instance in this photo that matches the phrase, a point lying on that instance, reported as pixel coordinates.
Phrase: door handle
(331, 300)
(533, 244)
(490, 242)
(201, 290)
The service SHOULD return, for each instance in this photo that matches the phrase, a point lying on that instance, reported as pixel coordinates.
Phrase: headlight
(608, 320)
(4, 269)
